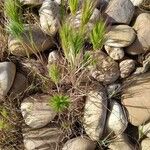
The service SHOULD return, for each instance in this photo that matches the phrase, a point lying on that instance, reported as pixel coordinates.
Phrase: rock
(113, 90)
(53, 57)
(137, 2)
(126, 67)
(25, 47)
(42, 139)
(50, 17)
(105, 70)
(31, 2)
(136, 98)
(79, 143)
(120, 11)
(120, 36)
(115, 52)
(145, 144)
(19, 86)
(95, 113)
(121, 143)
(7, 76)
(145, 67)
(142, 43)
(117, 120)
(145, 129)
(36, 111)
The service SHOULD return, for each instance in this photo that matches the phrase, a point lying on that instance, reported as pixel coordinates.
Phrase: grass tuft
(59, 102)
(73, 4)
(12, 10)
(97, 35)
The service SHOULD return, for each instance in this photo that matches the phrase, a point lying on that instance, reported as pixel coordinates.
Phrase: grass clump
(15, 25)
(59, 102)
(97, 35)
(73, 4)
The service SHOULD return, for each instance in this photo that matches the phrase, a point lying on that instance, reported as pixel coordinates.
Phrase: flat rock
(120, 36)
(145, 144)
(142, 43)
(46, 138)
(117, 120)
(50, 17)
(105, 70)
(137, 2)
(95, 113)
(36, 111)
(136, 98)
(7, 76)
(115, 52)
(120, 11)
(25, 47)
(126, 67)
(79, 143)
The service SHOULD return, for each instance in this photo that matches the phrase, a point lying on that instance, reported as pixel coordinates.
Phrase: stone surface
(113, 90)
(142, 43)
(95, 113)
(50, 17)
(105, 70)
(136, 98)
(31, 2)
(79, 143)
(120, 11)
(46, 138)
(145, 144)
(25, 47)
(137, 2)
(19, 86)
(53, 57)
(145, 129)
(7, 76)
(117, 120)
(115, 52)
(36, 111)
(121, 143)
(126, 67)
(120, 36)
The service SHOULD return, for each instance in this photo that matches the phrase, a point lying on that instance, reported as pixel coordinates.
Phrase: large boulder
(32, 41)
(136, 98)
(36, 111)
(120, 11)
(7, 76)
(95, 113)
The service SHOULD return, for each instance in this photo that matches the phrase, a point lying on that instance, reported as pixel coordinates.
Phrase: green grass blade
(73, 4)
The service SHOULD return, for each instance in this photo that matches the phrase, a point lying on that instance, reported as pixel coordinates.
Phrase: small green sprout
(59, 102)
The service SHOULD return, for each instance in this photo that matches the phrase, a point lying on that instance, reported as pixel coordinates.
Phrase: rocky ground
(109, 102)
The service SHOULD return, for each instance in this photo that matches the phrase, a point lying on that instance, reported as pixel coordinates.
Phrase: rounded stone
(50, 17)
(36, 111)
(145, 144)
(115, 52)
(126, 67)
(117, 120)
(79, 143)
(7, 76)
(120, 36)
